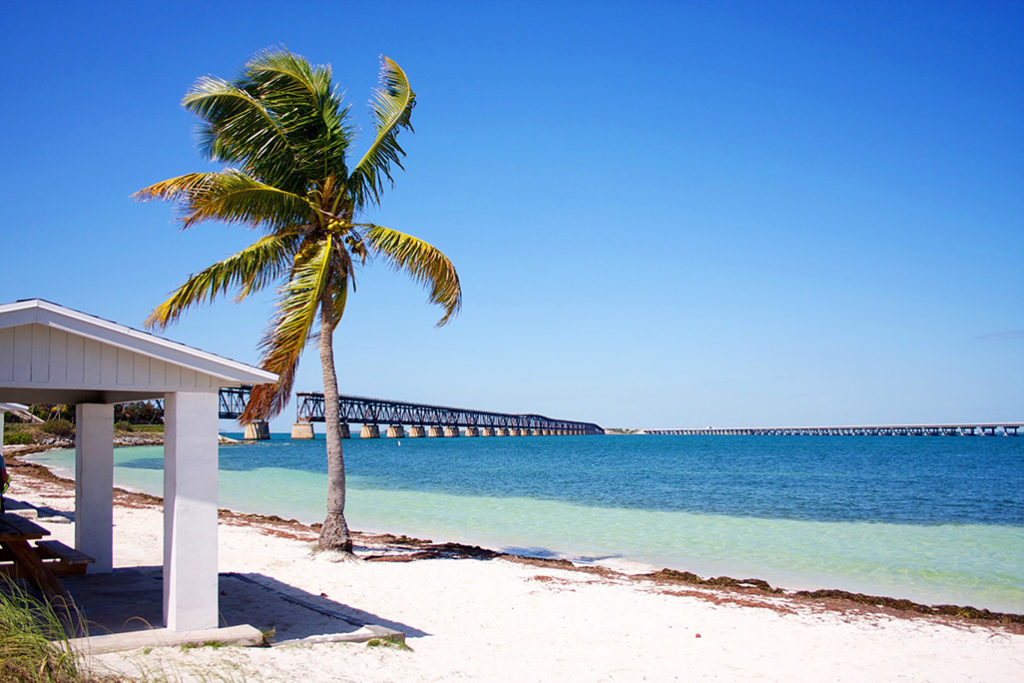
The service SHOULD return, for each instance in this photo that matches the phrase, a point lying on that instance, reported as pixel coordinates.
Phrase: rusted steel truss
(378, 411)
(231, 403)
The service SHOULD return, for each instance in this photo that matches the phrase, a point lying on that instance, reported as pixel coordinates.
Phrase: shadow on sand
(131, 599)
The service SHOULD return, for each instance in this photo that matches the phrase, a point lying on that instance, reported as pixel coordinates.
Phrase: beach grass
(31, 631)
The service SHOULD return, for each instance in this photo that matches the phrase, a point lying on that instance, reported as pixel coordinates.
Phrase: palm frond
(287, 335)
(241, 130)
(233, 197)
(250, 270)
(308, 108)
(392, 105)
(424, 262)
(181, 188)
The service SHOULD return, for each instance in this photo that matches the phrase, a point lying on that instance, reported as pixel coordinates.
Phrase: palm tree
(285, 133)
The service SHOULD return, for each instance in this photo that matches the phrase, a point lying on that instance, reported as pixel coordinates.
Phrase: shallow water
(937, 520)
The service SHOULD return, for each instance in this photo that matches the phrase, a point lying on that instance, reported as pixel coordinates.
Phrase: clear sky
(662, 214)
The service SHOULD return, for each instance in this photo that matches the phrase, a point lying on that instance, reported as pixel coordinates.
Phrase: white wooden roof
(49, 353)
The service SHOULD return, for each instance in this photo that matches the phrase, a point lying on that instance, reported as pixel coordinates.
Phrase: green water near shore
(960, 563)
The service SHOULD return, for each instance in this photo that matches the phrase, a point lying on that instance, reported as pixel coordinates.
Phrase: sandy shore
(498, 618)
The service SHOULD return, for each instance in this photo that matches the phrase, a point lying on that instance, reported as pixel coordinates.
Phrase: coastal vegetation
(49, 433)
(30, 633)
(285, 133)
(131, 421)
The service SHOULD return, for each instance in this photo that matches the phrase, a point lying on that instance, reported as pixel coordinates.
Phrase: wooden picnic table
(25, 561)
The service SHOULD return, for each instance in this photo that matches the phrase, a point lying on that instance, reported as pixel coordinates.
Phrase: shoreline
(469, 613)
(389, 547)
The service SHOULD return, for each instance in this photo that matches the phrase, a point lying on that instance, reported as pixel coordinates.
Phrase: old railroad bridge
(421, 419)
(964, 429)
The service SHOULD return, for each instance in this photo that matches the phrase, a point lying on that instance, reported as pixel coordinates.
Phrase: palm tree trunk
(334, 535)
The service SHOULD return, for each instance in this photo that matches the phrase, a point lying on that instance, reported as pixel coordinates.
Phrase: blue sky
(662, 214)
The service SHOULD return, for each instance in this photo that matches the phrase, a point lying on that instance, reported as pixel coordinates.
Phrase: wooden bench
(39, 563)
(58, 558)
(62, 559)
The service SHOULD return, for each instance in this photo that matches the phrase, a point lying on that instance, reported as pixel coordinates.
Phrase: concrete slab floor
(129, 601)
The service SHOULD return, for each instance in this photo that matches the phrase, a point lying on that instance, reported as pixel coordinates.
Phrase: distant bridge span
(958, 429)
(422, 419)
(441, 420)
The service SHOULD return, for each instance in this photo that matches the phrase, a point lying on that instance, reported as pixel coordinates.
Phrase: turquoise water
(936, 520)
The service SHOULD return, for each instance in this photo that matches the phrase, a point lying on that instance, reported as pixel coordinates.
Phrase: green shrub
(123, 426)
(63, 428)
(15, 438)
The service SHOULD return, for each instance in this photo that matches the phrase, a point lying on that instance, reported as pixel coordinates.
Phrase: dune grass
(29, 629)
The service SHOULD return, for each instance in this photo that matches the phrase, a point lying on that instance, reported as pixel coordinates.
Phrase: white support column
(94, 484)
(190, 511)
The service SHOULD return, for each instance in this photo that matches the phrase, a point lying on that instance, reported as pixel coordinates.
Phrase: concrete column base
(434, 432)
(369, 432)
(345, 433)
(417, 432)
(536, 432)
(257, 431)
(472, 431)
(302, 430)
(395, 432)
(500, 431)
(487, 431)
(452, 431)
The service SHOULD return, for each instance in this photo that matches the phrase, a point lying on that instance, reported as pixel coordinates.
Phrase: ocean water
(932, 519)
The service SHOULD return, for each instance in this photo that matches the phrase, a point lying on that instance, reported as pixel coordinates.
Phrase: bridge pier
(501, 431)
(395, 432)
(417, 432)
(452, 432)
(302, 430)
(434, 432)
(345, 433)
(536, 432)
(369, 432)
(487, 431)
(258, 430)
(472, 431)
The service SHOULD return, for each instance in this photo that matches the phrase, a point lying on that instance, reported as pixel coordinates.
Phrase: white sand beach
(501, 619)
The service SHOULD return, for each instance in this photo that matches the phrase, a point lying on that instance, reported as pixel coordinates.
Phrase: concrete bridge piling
(417, 432)
(395, 432)
(257, 431)
(472, 431)
(302, 430)
(369, 432)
